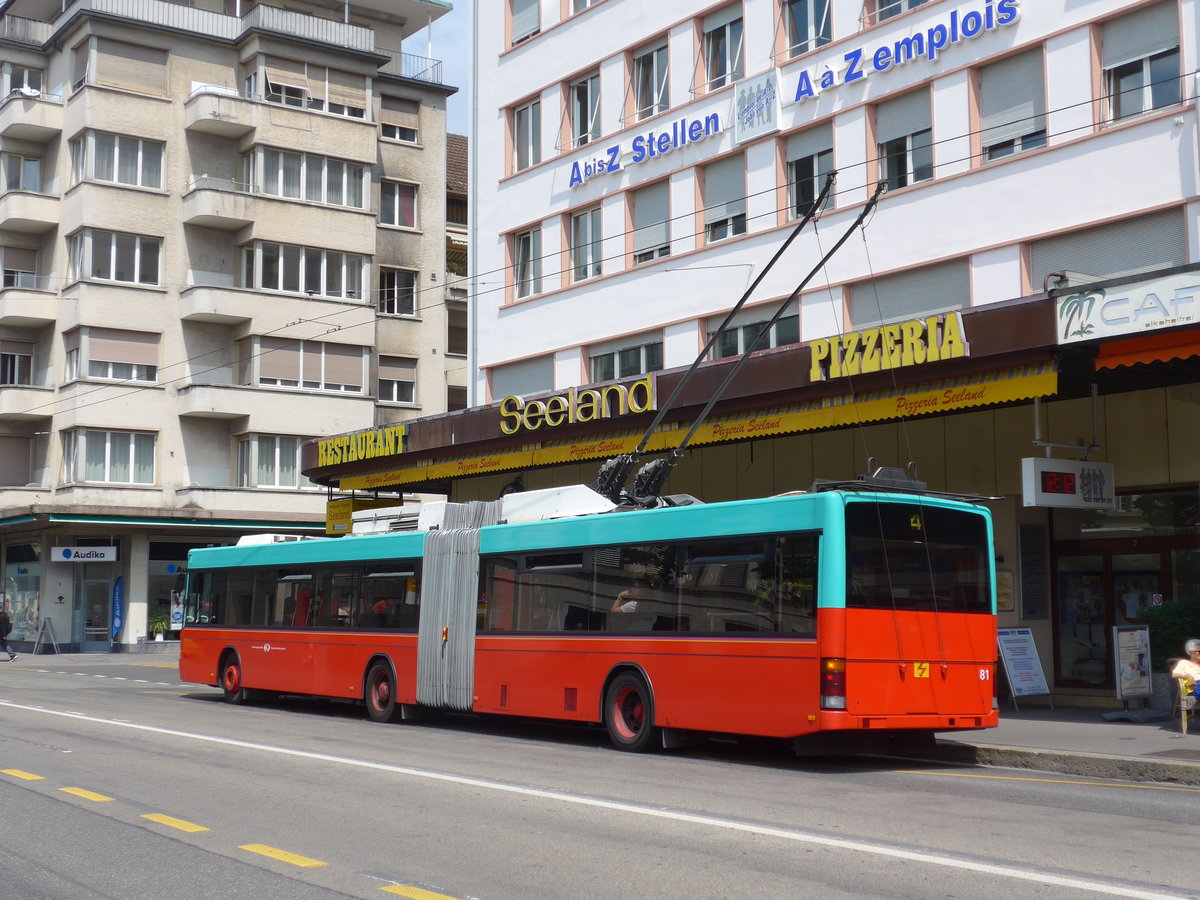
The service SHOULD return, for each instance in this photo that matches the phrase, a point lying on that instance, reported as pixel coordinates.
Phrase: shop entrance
(97, 614)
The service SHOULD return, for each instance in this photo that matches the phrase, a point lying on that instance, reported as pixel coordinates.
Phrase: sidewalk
(1079, 741)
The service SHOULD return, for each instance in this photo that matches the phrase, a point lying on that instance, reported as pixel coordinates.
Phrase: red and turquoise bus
(843, 611)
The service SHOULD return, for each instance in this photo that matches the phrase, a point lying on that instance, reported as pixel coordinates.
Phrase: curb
(1094, 765)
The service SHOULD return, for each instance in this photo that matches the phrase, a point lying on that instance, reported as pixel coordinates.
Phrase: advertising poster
(1131, 646)
(1021, 663)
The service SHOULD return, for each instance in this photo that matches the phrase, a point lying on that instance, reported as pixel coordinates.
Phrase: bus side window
(499, 587)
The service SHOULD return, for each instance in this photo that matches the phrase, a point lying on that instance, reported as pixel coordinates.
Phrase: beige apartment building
(223, 231)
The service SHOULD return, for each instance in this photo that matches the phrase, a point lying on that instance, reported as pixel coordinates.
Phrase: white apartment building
(636, 166)
(222, 232)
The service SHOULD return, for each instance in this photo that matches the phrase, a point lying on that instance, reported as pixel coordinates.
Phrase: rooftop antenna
(610, 481)
(651, 477)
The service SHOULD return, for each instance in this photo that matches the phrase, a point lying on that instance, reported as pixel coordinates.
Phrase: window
(527, 262)
(131, 67)
(527, 135)
(724, 199)
(585, 244)
(529, 376)
(807, 24)
(313, 365)
(270, 461)
(22, 173)
(16, 362)
(303, 270)
(886, 9)
(309, 177)
(1141, 244)
(809, 161)
(910, 295)
(114, 355)
(1012, 107)
(456, 398)
(627, 361)
(397, 292)
(526, 19)
(397, 379)
(398, 204)
(650, 80)
(399, 119)
(112, 457)
(20, 267)
(24, 80)
(584, 108)
(578, 6)
(1141, 60)
(651, 223)
(456, 328)
(904, 139)
(722, 47)
(112, 256)
(118, 159)
(737, 338)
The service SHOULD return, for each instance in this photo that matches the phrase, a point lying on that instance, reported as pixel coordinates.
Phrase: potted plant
(158, 623)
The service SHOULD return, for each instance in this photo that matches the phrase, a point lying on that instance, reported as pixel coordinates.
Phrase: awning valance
(1160, 347)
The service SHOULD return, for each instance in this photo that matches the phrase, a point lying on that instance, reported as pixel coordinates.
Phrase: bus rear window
(906, 556)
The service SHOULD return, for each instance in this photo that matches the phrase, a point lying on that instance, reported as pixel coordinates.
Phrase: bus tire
(629, 713)
(380, 693)
(231, 680)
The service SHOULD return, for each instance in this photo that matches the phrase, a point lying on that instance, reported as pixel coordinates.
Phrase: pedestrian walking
(5, 628)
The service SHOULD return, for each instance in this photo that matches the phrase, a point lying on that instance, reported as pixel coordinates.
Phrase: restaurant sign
(1129, 308)
(910, 343)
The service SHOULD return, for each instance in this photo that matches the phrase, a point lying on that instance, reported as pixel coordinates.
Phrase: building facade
(638, 165)
(223, 231)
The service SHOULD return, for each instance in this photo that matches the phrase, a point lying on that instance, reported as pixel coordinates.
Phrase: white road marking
(709, 821)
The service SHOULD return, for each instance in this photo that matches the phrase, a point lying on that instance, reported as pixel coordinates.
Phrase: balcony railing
(27, 31)
(409, 65)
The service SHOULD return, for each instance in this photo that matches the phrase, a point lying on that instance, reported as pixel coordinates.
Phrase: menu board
(1021, 664)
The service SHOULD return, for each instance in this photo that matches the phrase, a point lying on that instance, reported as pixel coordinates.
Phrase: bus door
(449, 601)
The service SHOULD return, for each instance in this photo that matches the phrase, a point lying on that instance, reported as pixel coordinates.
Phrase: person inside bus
(1188, 669)
(627, 600)
(380, 609)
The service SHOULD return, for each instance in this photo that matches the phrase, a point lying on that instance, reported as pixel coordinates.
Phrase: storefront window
(1160, 514)
(22, 589)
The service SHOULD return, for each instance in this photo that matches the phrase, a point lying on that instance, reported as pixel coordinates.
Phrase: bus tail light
(833, 684)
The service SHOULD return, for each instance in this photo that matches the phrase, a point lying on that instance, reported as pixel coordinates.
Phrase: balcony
(28, 212)
(219, 110)
(409, 65)
(275, 411)
(217, 304)
(31, 116)
(210, 501)
(218, 203)
(25, 402)
(31, 303)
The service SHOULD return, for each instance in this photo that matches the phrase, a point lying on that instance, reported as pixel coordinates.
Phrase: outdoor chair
(1184, 703)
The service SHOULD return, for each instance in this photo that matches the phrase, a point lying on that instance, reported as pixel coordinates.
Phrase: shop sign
(85, 554)
(1129, 309)
(645, 147)
(576, 405)
(1068, 483)
(339, 514)
(911, 343)
(346, 448)
(757, 111)
(860, 62)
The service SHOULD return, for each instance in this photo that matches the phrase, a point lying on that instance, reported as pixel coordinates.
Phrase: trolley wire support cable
(614, 473)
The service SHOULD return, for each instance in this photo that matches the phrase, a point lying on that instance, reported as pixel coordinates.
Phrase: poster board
(1131, 652)
(1022, 667)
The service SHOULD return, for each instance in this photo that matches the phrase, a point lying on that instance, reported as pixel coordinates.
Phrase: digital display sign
(1058, 482)
(1068, 483)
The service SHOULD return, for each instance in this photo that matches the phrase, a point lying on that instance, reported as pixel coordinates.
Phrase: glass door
(97, 614)
(1082, 623)
(1137, 583)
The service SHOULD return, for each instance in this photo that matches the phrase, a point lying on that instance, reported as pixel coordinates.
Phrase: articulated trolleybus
(841, 611)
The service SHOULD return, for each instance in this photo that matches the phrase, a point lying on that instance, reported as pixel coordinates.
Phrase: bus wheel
(381, 693)
(231, 680)
(629, 713)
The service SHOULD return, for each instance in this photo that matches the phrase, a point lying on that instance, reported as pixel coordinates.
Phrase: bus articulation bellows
(837, 611)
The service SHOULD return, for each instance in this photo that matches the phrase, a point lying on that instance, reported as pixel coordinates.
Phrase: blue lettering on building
(654, 143)
(860, 62)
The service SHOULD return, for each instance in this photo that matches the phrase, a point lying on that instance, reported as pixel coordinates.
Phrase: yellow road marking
(86, 795)
(1139, 787)
(28, 776)
(283, 856)
(157, 665)
(172, 693)
(173, 822)
(414, 893)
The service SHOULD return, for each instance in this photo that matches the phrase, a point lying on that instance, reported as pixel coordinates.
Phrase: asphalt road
(117, 781)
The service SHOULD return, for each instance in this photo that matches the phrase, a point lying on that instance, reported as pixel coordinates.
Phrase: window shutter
(110, 345)
(15, 458)
(23, 348)
(286, 71)
(810, 142)
(311, 365)
(1156, 241)
(394, 111)
(525, 18)
(395, 368)
(1012, 98)
(901, 117)
(279, 358)
(79, 63)
(724, 189)
(1140, 34)
(530, 376)
(21, 259)
(347, 89)
(651, 209)
(343, 364)
(715, 20)
(131, 67)
(910, 295)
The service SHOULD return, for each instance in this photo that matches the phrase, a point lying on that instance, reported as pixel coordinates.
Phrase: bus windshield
(909, 556)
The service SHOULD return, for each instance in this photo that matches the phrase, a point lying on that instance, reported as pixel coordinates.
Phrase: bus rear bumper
(831, 720)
